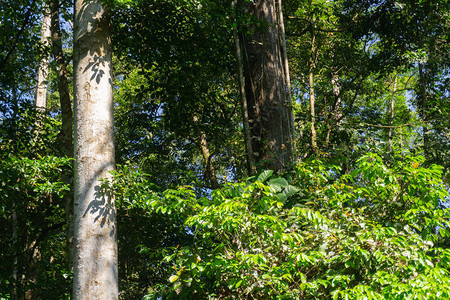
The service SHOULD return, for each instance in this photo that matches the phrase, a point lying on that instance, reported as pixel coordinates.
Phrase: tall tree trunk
(31, 250)
(65, 135)
(65, 139)
(95, 233)
(31, 270)
(335, 115)
(312, 111)
(391, 111)
(244, 106)
(41, 89)
(286, 71)
(266, 89)
(312, 96)
(15, 264)
(423, 106)
(15, 270)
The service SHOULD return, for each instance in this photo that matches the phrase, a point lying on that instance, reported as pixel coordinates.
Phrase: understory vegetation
(378, 232)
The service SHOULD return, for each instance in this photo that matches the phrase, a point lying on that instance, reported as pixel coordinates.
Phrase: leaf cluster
(374, 233)
(32, 216)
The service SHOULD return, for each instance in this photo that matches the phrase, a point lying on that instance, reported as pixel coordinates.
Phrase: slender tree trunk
(423, 106)
(312, 96)
(95, 233)
(312, 111)
(244, 107)
(65, 135)
(31, 250)
(337, 108)
(210, 172)
(65, 139)
(391, 110)
(32, 271)
(266, 89)
(286, 71)
(335, 114)
(41, 89)
(15, 269)
(328, 121)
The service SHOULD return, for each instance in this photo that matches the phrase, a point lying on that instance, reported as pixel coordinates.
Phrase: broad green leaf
(265, 175)
(282, 197)
(278, 183)
(290, 190)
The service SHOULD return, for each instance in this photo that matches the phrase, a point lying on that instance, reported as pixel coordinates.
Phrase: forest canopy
(238, 149)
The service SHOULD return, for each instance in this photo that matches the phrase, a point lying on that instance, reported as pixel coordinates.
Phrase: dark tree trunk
(266, 89)
(334, 117)
(391, 112)
(312, 111)
(65, 135)
(244, 107)
(210, 173)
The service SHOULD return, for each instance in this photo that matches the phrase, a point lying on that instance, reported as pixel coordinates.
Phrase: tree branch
(381, 126)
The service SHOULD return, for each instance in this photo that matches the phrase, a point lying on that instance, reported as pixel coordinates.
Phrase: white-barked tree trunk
(95, 231)
(41, 87)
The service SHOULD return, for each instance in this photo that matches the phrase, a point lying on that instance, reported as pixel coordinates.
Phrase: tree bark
(41, 88)
(15, 270)
(244, 106)
(312, 111)
(210, 173)
(65, 135)
(95, 232)
(391, 110)
(312, 96)
(33, 255)
(269, 108)
(31, 270)
(423, 107)
(286, 71)
(335, 115)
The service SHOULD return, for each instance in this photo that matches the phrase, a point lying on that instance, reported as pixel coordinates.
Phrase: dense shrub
(370, 234)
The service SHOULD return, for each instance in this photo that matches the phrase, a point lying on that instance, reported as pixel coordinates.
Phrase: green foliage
(360, 48)
(147, 225)
(340, 225)
(32, 218)
(372, 233)
(19, 50)
(28, 133)
(186, 72)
